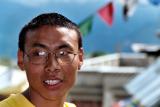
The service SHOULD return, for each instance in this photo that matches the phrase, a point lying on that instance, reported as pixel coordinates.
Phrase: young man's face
(51, 75)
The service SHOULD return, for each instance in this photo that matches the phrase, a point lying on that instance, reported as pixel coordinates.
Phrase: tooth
(52, 82)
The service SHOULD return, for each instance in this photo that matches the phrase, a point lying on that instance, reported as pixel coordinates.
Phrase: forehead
(52, 37)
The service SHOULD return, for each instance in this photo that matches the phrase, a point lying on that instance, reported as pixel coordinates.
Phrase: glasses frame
(49, 53)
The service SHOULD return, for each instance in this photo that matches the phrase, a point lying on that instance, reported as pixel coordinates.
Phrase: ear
(81, 57)
(20, 60)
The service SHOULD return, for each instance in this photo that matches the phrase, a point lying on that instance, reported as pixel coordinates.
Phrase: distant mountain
(141, 27)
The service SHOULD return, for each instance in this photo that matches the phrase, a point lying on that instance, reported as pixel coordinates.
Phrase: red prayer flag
(129, 7)
(106, 13)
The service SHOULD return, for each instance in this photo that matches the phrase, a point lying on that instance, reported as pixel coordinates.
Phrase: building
(146, 86)
(101, 80)
(11, 81)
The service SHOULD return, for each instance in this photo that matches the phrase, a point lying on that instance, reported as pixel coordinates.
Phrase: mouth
(52, 82)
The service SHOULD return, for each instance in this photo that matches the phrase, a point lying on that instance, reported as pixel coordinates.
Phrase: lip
(52, 84)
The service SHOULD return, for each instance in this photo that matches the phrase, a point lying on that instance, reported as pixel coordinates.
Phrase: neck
(40, 101)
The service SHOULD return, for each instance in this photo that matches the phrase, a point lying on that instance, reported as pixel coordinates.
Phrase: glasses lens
(41, 57)
(38, 56)
(65, 57)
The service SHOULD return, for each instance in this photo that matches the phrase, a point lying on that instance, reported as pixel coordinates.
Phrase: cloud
(77, 1)
(145, 2)
(32, 3)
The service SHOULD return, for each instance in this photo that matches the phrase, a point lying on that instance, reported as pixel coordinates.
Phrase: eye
(41, 53)
(63, 53)
(38, 53)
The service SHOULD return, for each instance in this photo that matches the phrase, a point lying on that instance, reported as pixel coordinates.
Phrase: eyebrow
(65, 45)
(39, 45)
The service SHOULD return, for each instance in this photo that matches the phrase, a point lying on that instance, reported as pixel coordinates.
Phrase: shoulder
(8, 102)
(16, 100)
(67, 104)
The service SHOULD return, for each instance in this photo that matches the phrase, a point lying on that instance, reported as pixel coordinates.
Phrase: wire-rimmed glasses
(63, 57)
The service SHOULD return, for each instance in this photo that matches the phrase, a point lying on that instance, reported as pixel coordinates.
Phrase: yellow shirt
(18, 100)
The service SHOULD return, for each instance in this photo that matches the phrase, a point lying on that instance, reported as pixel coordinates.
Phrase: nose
(52, 64)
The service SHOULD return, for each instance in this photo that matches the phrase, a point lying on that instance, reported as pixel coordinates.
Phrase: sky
(140, 28)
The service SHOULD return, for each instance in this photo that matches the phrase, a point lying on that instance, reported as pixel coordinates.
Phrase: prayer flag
(129, 7)
(106, 13)
(86, 25)
(155, 2)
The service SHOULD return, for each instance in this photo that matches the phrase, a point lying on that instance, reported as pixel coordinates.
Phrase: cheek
(71, 72)
(71, 68)
(33, 72)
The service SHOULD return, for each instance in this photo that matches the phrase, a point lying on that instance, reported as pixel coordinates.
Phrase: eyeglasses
(63, 57)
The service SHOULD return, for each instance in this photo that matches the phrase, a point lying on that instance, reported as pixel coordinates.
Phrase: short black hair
(52, 19)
